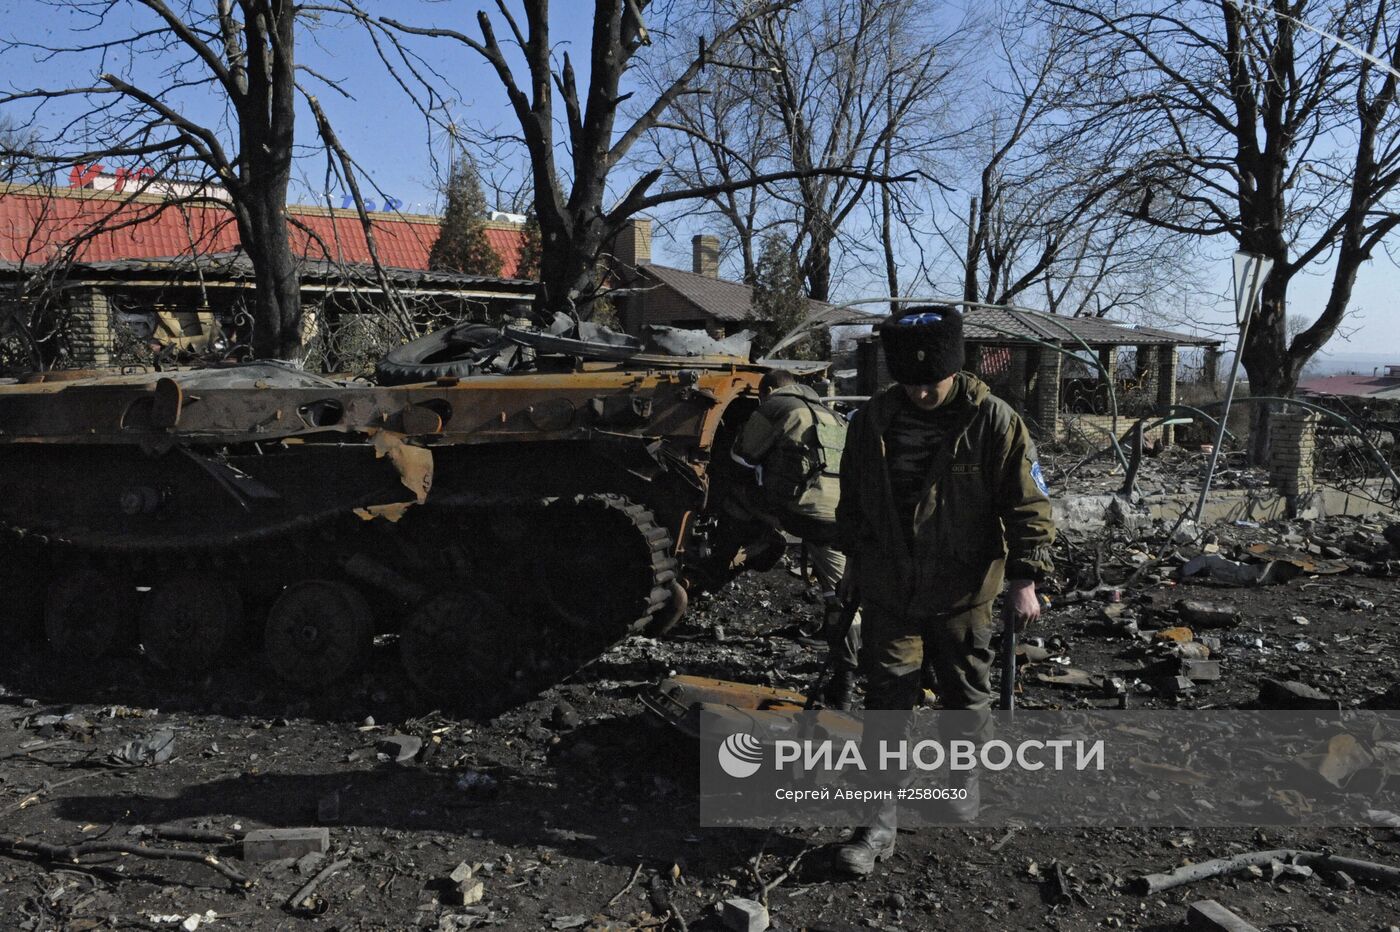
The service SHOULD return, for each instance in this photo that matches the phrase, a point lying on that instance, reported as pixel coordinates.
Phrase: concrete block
(1200, 670)
(1177, 686)
(1210, 916)
(1290, 694)
(741, 915)
(1206, 614)
(465, 893)
(271, 844)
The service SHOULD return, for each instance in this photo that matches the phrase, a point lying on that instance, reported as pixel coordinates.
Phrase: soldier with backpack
(793, 444)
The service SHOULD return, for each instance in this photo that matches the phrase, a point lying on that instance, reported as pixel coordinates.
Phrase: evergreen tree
(780, 300)
(462, 245)
(531, 246)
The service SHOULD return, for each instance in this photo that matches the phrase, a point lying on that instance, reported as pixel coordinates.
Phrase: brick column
(1145, 370)
(1166, 384)
(1016, 379)
(90, 326)
(1108, 358)
(871, 374)
(1046, 410)
(1210, 367)
(1292, 438)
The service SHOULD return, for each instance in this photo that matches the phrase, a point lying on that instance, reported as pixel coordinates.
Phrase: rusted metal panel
(487, 409)
(679, 700)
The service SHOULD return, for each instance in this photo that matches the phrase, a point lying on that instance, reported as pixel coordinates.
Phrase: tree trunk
(974, 249)
(277, 299)
(1265, 361)
(887, 236)
(568, 268)
(266, 131)
(746, 251)
(816, 268)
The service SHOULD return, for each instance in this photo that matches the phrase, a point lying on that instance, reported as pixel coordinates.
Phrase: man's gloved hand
(1021, 604)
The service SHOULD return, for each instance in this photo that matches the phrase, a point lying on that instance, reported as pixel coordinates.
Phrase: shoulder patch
(1038, 475)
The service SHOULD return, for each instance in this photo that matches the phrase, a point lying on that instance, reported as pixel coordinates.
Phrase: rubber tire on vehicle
(89, 613)
(318, 631)
(188, 623)
(436, 355)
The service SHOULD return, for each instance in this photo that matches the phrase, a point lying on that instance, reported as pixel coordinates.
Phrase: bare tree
(1249, 125)
(18, 165)
(1041, 215)
(718, 134)
(826, 82)
(242, 55)
(575, 222)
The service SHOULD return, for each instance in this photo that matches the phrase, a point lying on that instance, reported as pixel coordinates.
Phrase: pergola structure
(1018, 353)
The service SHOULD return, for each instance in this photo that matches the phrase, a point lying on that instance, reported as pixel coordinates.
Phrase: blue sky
(388, 137)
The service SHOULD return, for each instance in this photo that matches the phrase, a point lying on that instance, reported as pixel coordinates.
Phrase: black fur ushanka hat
(923, 345)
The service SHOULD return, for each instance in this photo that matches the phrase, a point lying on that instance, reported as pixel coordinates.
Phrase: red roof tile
(37, 224)
(1354, 386)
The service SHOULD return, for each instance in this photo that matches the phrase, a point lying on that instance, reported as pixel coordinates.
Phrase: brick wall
(1108, 358)
(1097, 428)
(1145, 368)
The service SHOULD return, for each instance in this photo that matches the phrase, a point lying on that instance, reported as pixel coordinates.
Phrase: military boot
(856, 856)
(840, 691)
(959, 810)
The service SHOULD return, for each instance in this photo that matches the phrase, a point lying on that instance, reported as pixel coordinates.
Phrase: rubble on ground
(577, 810)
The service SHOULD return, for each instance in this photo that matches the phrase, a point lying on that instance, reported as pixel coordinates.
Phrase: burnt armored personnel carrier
(527, 499)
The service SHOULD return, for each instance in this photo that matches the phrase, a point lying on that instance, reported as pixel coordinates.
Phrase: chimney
(704, 252)
(632, 247)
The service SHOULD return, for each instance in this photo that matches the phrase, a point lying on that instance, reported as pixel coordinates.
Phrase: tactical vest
(797, 464)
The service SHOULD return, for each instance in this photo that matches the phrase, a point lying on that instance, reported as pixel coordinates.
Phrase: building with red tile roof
(39, 223)
(117, 266)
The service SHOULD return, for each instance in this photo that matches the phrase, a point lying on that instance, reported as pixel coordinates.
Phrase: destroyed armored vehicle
(517, 500)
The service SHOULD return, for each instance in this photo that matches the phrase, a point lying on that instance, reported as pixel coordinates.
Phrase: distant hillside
(1353, 363)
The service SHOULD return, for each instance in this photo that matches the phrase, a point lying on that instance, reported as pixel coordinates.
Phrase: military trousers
(828, 565)
(957, 645)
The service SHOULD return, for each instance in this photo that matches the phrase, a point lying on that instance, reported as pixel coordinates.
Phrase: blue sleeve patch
(1039, 476)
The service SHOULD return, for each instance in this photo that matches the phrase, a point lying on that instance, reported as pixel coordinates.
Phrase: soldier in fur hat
(942, 502)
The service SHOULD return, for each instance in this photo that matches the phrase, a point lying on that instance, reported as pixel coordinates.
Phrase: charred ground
(564, 800)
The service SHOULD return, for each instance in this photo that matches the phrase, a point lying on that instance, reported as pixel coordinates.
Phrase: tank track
(599, 569)
(495, 596)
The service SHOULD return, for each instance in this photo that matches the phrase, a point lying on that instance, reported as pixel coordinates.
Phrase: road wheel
(89, 613)
(189, 622)
(318, 631)
(460, 646)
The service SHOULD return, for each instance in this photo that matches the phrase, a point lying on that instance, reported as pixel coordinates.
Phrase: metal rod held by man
(1008, 664)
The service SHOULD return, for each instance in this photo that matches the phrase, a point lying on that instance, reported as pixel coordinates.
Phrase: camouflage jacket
(985, 514)
(794, 442)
